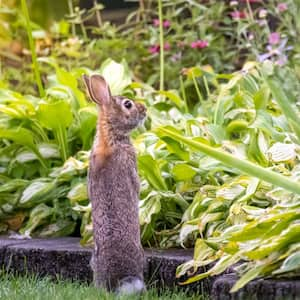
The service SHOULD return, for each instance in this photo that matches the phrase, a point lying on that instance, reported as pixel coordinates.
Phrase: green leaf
(182, 172)
(248, 276)
(174, 97)
(88, 120)
(148, 207)
(23, 137)
(58, 229)
(57, 116)
(38, 191)
(78, 193)
(230, 160)
(290, 264)
(38, 216)
(287, 108)
(116, 74)
(150, 169)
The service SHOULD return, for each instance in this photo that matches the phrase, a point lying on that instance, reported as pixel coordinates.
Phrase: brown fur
(113, 186)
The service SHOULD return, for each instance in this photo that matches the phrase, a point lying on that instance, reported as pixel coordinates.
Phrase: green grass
(33, 288)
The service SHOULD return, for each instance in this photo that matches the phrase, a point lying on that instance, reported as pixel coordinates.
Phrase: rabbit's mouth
(142, 119)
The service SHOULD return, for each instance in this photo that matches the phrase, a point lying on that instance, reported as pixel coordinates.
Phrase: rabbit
(113, 188)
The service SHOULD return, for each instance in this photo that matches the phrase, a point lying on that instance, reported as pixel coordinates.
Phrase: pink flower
(236, 15)
(156, 22)
(274, 38)
(154, 49)
(166, 24)
(200, 44)
(282, 7)
(167, 46)
(194, 45)
(251, 1)
(262, 13)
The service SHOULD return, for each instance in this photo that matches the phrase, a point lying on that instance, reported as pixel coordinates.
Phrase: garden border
(65, 258)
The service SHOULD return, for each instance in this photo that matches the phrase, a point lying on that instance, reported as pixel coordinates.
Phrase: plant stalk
(98, 15)
(32, 49)
(71, 10)
(161, 44)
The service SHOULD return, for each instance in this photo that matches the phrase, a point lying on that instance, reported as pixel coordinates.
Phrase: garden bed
(64, 258)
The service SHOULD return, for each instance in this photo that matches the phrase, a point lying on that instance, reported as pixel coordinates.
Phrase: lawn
(33, 288)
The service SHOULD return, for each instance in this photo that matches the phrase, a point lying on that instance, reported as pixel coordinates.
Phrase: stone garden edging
(65, 258)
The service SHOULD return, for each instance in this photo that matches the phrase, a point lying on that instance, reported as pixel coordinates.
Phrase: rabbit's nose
(142, 108)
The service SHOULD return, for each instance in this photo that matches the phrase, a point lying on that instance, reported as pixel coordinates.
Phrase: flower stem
(186, 109)
(71, 11)
(98, 15)
(200, 97)
(250, 11)
(32, 49)
(161, 43)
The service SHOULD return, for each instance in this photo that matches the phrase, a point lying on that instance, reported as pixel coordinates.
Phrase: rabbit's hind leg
(131, 285)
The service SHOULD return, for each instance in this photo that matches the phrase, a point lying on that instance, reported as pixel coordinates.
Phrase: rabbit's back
(113, 190)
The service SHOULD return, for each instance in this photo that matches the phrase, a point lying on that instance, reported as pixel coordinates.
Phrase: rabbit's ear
(98, 89)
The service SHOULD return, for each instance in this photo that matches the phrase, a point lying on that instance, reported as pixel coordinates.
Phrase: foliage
(43, 167)
(195, 33)
(219, 153)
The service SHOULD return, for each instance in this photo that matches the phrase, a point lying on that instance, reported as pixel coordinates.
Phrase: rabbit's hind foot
(131, 285)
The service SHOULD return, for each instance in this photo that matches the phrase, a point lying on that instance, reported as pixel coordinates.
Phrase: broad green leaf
(248, 276)
(88, 120)
(290, 264)
(150, 170)
(242, 165)
(55, 115)
(183, 172)
(24, 137)
(58, 229)
(38, 191)
(149, 206)
(287, 108)
(116, 74)
(38, 216)
(281, 152)
(78, 193)
(177, 149)
(174, 97)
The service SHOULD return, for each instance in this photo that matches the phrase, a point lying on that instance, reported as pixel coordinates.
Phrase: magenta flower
(166, 24)
(251, 1)
(154, 49)
(237, 15)
(167, 46)
(200, 44)
(274, 38)
(282, 7)
(156, 22)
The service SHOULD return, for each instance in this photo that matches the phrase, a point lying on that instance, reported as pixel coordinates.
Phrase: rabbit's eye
(127, 104)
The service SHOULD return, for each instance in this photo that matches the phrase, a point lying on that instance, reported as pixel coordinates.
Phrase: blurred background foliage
(218, 155)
